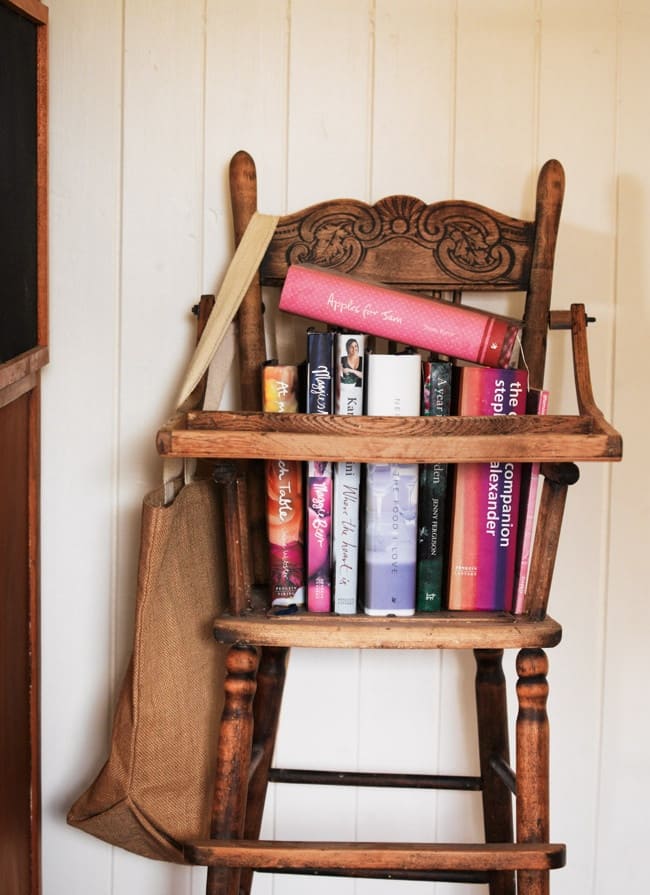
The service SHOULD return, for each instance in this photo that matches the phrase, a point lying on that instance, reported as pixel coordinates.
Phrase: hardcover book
(440, 326)
(486, 500)
(537, 403)
(432, 496)
(319, 477)
(393, 389)
(349, 393)
(284, 499)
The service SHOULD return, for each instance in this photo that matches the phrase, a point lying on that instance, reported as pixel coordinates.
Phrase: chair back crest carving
(404, 242)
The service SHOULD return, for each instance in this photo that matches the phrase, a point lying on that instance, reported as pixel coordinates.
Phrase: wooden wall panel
(246, 112)
(623, 771)
(495, 103)
(413, 98)
(577, 125)
(80, 429)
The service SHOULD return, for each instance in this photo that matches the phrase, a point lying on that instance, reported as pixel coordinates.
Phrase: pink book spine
(320, 346)
(436, 325)
(486, 500)
(319, 532)
(528, 517)
(284, 504)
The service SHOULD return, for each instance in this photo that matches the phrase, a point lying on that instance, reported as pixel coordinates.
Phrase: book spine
(391, 494)
(349, 392)
(284, 501)
(486, 501)
(319, 478)
(537, 403)
(437, 325)
(432, 496)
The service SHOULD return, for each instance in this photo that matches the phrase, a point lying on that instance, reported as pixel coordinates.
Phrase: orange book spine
(284, 499)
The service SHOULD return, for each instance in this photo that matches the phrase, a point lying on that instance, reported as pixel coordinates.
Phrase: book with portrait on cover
(349, 394)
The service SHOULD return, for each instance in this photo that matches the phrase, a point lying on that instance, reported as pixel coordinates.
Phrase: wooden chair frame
(441, 248)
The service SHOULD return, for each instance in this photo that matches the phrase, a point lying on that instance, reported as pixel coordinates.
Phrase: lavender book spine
(391, 494)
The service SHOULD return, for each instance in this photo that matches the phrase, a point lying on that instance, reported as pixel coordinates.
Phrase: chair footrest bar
(471, 877)
(359, 778)
(374, 856)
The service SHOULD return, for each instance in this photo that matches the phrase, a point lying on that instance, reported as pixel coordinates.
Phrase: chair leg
(491, 710)
(532, 763)
(233, 760)
(266, 711)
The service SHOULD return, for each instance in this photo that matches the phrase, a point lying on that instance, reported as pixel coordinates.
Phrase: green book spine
(432, 499)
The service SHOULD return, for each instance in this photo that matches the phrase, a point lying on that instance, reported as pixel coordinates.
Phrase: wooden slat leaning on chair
(446, 247)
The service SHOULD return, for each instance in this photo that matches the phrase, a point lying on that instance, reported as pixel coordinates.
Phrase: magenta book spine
(319, 477)
(391, 494)
(349, 391)
(486, 500)
(538, 403)
(284, 501)
(436, 325)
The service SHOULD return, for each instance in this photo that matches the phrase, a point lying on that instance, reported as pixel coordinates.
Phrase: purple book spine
(319, 477)
(486, 500)
(391, 512)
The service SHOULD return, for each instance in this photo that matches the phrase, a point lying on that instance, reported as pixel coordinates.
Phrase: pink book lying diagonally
(361, 306)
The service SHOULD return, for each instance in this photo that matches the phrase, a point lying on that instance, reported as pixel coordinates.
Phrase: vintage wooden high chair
(442, 248)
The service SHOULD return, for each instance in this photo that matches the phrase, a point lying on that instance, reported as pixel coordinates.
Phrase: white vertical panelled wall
(360, 98)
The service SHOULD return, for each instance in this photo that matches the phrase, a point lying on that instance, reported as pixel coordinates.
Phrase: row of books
(395, 538)
(390, 539)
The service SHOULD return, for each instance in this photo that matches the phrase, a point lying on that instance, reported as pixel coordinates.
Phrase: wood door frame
(20, 387)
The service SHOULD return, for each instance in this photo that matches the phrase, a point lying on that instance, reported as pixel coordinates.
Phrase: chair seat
(442, 630)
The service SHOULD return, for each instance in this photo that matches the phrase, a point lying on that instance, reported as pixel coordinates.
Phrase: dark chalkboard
(18, 185)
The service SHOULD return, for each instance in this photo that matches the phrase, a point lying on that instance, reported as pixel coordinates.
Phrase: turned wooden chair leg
(233, 760)
(266, 712)
(532, 763)
(494, 753)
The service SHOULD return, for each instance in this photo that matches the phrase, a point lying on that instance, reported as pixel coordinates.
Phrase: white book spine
(393, 388)
(349, 366)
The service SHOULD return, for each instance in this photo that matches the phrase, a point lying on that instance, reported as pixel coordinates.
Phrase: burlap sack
(155, 790)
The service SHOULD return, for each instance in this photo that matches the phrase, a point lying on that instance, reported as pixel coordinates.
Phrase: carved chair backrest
(449, 246)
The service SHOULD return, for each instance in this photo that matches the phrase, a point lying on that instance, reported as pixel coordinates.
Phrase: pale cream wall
(463, 98)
